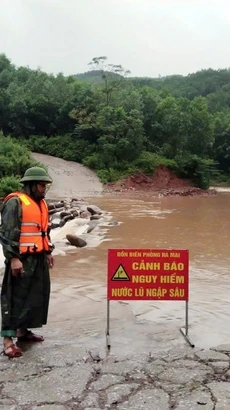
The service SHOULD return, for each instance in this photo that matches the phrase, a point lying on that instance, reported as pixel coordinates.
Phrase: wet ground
(68, 376)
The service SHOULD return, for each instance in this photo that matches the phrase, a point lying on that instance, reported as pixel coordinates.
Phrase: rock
(64, 213)
(56, 205)
(92, 225)
(84, 214)
(56, 215)
(113, 223)
(66, 210)
(54, 225)
(90, 228)
(75, 209)
(54, 211)
(75, 213)
(75, 200)
(94, 210)
(68, 218)
(76, 241)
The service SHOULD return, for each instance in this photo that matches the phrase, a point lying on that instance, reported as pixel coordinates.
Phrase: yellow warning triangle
(120, 274)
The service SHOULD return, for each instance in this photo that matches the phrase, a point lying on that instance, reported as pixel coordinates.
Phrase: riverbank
(163, 183)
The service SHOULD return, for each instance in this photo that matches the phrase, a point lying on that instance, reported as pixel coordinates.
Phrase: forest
(114, 123)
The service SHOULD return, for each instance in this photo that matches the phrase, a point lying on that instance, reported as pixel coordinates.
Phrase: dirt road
(70, 179)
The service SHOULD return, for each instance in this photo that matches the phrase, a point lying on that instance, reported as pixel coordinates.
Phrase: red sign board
(148, 274)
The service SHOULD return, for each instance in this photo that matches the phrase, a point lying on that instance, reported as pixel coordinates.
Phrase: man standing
(24, 235)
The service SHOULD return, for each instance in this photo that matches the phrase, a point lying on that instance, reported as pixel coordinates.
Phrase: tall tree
(112, 75)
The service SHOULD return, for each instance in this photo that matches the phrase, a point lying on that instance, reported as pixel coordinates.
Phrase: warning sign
(148, 274)
(120, 274)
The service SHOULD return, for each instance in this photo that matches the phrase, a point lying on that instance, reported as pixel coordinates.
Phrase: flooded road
(199, 224)
(70, 179)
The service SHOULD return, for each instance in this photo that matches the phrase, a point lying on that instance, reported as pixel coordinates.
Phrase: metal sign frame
(183, 330)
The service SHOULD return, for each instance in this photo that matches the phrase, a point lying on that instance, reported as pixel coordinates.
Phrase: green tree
(221, 147)
(200, 128)
(112, 76)
(122, 137)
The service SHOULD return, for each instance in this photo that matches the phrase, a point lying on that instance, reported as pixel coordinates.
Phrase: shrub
(14, 157)
(61, 146)
(14, 160)
(109, 175)
(9, 184)
(148, 161)
(198, 170)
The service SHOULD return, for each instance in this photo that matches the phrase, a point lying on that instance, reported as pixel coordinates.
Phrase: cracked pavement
(58, 377)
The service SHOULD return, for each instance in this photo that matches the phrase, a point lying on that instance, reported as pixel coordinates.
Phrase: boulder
(68, 218)
(94, 217)
(94, 210)
(56, 205)
(76, 241)
(65, 213)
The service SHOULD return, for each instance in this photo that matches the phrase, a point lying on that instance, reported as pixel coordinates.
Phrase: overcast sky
(148, 37)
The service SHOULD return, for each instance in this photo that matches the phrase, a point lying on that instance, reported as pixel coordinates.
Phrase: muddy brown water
(78, 298)
(199, 224)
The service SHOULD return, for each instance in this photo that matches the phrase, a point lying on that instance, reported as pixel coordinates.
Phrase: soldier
(24, 235)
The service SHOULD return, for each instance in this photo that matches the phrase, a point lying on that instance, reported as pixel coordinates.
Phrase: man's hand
(50, 260)
(16, 267)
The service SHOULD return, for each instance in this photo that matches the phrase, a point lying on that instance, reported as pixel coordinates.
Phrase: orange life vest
(34, 226)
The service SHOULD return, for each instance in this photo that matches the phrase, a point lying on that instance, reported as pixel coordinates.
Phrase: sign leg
(108, 326)
(184, 331)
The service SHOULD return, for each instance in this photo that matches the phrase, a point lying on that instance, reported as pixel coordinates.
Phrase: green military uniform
(24, 300)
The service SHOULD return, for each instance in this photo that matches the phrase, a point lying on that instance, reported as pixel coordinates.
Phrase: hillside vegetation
(117, 124)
